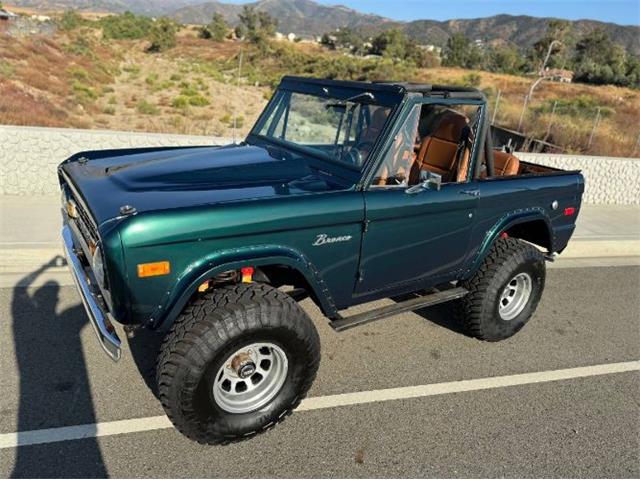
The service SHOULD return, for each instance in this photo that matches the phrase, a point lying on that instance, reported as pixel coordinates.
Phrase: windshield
(342, 130)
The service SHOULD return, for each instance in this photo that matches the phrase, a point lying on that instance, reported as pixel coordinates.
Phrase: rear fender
(507, 222)
(234, 259)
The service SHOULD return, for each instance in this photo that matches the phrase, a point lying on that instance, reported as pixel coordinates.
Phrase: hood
(161, 178)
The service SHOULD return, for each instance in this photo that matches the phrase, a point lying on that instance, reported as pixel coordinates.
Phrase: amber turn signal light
(153, 269)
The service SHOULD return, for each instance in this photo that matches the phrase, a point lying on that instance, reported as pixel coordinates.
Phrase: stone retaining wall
(29, 156)
(608, 180)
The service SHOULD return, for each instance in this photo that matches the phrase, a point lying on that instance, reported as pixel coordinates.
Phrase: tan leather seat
(438, 151)
(505, 164)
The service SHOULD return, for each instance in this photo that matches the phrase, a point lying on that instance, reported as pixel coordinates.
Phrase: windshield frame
(385, 95)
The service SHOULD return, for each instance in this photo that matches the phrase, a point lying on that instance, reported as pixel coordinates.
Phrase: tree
(344, 37)
(217, 29)
(599, 60)
(505, 59)
(395, 44)
(162, 35)
(256, 26)
(559, 37)
(459, 52)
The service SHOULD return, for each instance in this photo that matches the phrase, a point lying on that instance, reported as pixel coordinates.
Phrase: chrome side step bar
(406, 306)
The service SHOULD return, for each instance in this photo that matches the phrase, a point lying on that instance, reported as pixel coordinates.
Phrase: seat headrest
(450, 127)
(379, 117)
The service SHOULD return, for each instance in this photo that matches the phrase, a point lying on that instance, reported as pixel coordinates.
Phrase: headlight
(98, 266)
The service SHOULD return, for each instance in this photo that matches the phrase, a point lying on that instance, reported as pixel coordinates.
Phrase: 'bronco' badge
(323, 239)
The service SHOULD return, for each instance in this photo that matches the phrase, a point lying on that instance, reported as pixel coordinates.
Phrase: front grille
(85, 225)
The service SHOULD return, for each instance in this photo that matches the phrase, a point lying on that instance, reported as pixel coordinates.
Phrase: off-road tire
(479, 310)
(211, 328)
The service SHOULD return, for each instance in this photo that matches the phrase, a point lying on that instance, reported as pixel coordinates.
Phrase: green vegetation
(593, 56)
(198, 101)
(393, 44)
(6, 70)
(147, 108)
(151, 79)
(79, 73)
(162, 35)
(70, 20)
(580, 106)
(80, 45)
(181, 101)
(126, 26)
(109, 110)
(83, 93)
(217, 30)
(256, 26)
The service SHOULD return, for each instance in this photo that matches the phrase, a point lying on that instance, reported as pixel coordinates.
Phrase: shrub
(70, 20)
(126, 26)
(217, 30)
(79, 73)
(189, 91)
(109, 110)
(198, 101)
(151, 79)
(134, 69)
(6, 70)
(181, 101)
(147, 108)
(579, 106)
(162, 35)
(112, 100)
(80, 45)
(84, 94)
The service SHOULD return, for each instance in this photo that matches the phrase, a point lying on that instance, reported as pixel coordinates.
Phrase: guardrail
(29, 157)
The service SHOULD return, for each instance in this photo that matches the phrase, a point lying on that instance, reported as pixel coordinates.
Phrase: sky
(624, 12)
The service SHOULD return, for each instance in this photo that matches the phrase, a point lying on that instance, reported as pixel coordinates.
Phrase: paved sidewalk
(30, 235)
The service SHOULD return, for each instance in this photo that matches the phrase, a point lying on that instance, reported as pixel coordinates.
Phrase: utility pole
(495, 108)
(593, 130)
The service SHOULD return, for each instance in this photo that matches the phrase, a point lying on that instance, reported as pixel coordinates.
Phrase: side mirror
(428, 181)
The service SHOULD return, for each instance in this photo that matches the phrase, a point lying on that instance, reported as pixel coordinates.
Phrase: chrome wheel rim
(515, 296)
(250, 378)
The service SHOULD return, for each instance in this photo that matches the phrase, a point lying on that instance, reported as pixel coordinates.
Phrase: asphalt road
(53, 374)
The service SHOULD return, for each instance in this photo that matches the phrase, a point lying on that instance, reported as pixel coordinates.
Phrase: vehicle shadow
(441, 315)
(53, 382)
(144, 347)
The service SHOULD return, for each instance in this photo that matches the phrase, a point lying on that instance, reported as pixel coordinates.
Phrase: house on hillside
(558, 75)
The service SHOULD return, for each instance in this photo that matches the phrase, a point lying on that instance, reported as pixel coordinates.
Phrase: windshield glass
(342, 130)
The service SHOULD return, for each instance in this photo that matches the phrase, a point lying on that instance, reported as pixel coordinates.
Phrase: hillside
(193, 88)
(306, 17)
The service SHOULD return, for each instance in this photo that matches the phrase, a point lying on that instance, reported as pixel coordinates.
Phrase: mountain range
(306, 17)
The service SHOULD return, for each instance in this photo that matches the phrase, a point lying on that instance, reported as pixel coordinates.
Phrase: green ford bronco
(343, 192)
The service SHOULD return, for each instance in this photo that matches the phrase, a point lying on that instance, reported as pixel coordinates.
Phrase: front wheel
(504, 292)
(236, 362)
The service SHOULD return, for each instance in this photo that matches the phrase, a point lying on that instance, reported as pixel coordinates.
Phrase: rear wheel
(504, 292)
(236, 362)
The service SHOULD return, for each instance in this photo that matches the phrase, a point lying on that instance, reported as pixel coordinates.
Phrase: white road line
(119, 427)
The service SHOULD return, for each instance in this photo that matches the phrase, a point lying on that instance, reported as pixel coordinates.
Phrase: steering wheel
(355, 153)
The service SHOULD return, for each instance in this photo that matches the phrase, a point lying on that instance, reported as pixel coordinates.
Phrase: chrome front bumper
(99, 317)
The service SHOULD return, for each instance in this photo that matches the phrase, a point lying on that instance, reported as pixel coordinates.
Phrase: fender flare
(509, 220)
(233, 259)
